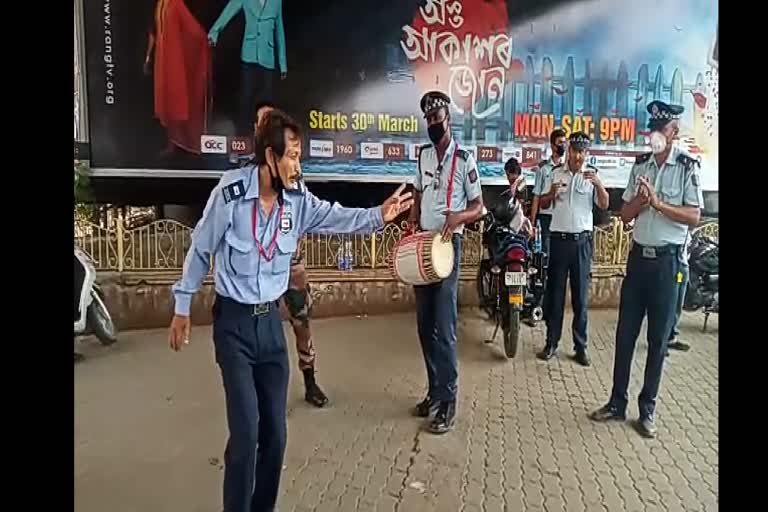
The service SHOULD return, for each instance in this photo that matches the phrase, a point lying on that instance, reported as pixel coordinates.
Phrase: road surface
(150, 426)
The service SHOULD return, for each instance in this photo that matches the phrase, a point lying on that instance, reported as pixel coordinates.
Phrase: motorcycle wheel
(99, 321)
(484, 281)
(512, 333)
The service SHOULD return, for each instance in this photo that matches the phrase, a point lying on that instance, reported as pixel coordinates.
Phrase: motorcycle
(91, 313)
(511, 277)
(703, 280)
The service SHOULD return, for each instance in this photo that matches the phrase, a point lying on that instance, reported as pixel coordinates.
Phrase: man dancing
(298, 301)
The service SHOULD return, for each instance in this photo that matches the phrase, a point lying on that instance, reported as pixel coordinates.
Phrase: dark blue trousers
(649, 288)
(544, 219)
(436, 313)
(251, 353)
(572, 258)
(684, 271)
(256, 86)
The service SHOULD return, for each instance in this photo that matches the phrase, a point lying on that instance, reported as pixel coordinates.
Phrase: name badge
(286, 223)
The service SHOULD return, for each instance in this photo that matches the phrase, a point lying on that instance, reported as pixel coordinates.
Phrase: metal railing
(163, 244)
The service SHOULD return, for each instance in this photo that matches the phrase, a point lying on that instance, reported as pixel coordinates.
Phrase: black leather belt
(571, 237)
(252, 309)
(652, 252)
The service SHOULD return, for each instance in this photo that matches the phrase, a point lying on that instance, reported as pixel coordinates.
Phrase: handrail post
(120, 249)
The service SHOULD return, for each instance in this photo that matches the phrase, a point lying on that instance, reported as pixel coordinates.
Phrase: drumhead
(442, 256)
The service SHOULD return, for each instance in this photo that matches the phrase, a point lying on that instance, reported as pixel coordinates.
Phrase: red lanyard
(269, 253)
(451, 176)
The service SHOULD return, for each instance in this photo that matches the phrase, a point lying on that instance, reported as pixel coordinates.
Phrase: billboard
(173, 84)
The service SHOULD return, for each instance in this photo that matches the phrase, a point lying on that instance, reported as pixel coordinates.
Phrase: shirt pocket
(241, 254)
(286, 247)
(671, 192)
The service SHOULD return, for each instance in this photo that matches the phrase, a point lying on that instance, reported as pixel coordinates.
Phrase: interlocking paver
(523, 441)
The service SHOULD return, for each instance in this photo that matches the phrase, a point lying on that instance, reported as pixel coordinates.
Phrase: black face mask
(436, 132)
(559, 149)
(277, 183)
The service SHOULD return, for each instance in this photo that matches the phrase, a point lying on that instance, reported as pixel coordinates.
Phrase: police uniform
(446, 185)
(540, 187)
(570, 254)
(252, 254)
(653, 275)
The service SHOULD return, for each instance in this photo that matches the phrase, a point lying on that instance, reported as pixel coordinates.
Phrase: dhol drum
(422, 258)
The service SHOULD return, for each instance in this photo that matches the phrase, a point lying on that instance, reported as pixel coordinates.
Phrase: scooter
(704, 277)
(91, 313)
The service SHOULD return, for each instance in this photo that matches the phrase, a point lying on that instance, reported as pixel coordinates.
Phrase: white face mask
(658, 143)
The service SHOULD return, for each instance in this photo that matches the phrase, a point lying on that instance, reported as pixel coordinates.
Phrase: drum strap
(451, 176)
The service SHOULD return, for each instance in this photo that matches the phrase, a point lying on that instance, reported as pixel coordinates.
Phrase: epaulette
(541, 164)
(232, 191)
(421, 149)
(463, 154)
(688, 161)
(299, 189)
(642, 158)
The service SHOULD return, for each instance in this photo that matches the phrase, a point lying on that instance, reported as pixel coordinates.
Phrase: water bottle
(340, 257)
(537, 240)
(349, 257)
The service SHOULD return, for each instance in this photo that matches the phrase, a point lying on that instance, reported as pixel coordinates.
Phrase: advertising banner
(173, 84)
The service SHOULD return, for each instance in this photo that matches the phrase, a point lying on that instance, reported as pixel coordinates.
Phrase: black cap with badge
(434, 100)
(579, 140)
(662, 113)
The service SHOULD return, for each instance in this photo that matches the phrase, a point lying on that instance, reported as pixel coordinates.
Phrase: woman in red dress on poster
(182, 71)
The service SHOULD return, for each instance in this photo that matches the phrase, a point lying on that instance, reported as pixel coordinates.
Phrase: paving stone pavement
(150, 426)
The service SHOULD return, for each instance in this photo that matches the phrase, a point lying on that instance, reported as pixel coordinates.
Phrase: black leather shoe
(679, 345)
(582, 357)
(646, 427)
(607, 413)
(547, 353)
(445, 418)
(425, 408)
(313, 394)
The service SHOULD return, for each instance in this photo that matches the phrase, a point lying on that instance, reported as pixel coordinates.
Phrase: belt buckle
(576, 236)
(649, 252)
(261, 309)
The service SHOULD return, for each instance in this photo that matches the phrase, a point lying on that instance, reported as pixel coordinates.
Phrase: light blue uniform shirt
(676, 183)
(544, 182)
(226, 231)
(434, 184)
(572, 207)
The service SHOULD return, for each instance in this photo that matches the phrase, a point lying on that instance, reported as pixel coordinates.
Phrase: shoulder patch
(463, 154)
(233, 191)
(687, 161)
(641, 159)
(473, 175)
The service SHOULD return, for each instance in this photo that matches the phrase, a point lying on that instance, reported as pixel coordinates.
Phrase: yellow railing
(162, 245)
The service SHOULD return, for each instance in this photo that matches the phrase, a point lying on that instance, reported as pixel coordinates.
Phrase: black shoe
(582, 357)
(313, 395)
(646, 427)
(425, 408)
(445, 419)
(547, 353)
(607, 413)
(679, 345)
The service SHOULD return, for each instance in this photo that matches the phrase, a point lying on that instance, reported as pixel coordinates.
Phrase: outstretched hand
(396, 204)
